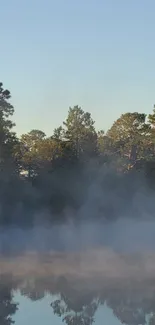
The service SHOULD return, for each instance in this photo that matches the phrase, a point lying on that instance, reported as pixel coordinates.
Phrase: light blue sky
(99, 54)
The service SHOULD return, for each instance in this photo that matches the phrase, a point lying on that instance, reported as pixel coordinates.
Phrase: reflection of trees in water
(132, 304)
(128, 312)
(152, 319)
(30, 289)
(7, 307)
(75, 308)
(74, 313)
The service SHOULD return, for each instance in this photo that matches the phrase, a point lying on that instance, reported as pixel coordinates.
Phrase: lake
(90, 287)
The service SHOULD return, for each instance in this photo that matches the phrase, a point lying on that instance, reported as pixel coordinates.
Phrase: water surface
(93, 287)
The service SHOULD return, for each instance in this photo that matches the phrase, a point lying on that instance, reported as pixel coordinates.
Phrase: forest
(78, 172)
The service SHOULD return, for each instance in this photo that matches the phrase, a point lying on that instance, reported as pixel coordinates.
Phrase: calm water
(78, 289)
(40, 312)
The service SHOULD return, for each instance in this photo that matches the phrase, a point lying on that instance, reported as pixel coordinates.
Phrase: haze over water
(88, 284)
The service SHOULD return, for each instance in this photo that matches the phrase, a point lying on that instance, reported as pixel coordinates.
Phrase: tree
(6, 109)
(29, 155)
(151, 118)
(79, 129)
(151, 121)
(100, 140)
(38, 152)
(129, 135)
(58, 133)
(31, 139)
(7, 136)
(105, 144)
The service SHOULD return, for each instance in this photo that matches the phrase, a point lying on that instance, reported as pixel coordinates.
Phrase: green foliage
(151, 118)
(58, 133)
(129, 134)
(80, 130)
(37, 151)
(61, 168)
(8, 139)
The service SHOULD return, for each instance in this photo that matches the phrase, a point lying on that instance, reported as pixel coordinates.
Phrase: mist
(120, 236)
(105, 209)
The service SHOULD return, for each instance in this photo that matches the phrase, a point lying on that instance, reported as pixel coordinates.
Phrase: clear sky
(99, 54)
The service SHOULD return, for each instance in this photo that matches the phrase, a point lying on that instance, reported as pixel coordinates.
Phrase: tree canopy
(64, 171)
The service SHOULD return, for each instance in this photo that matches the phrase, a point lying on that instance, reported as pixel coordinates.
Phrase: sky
(98, 54)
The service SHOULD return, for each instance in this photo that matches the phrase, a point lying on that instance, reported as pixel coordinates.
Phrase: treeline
(77, 172)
